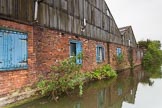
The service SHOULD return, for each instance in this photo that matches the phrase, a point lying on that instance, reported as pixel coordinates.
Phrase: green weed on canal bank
(68, 76)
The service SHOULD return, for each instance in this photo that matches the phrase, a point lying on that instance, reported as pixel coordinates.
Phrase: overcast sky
(145, 16)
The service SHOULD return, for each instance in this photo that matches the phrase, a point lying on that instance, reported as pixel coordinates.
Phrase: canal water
(131, 89)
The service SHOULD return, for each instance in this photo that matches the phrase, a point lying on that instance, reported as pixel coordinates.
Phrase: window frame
(71, 55)
(100, 50)
(14, 55)
(78, 50)
(118, 51)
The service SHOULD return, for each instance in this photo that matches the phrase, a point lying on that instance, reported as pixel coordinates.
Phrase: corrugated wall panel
(91, 30)
(97, 34)
(76, 8)
(93, 2)
(69, 23)
(10, 7)
(47, 15)
(51, 17)
(18, 9)
(88, 30)
(81, 9)
(30, 13)
(62, 20)
(56, 3)
(50, 2)
(64, 4)
(93, 15)
(101, 5)
(96, 16)
(85, 9)
(22, 9)
(102, 35)
(65, 15)
(94, 32)
(89, 14)
(3, 7)
(70, 7)
(98, 4)
(74, 27)
(41, 14)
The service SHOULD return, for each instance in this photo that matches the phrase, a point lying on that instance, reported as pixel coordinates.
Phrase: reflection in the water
(102, 94)
(101, 98)
(77, 105)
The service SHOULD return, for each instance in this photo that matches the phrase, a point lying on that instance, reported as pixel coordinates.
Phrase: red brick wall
(137, 60)
(52, 47)
(45, 48)
(12, 80)
(125, 64)
(89, 62)
(113, 53)
(48, 47)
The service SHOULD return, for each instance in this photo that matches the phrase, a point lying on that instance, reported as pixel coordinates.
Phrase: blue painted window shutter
(117, 53)
(23, 49)
(1, 48)
(76, 47)
(120, 51)
(13, 48)
(78, 52)
(97, 54)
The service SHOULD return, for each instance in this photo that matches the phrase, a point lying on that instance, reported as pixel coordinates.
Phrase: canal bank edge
(19, 99)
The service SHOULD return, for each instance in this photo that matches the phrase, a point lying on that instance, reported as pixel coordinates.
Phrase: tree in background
(153, 53)
(145, 44)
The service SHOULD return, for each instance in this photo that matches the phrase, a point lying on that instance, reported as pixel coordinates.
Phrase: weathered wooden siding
(17, 9)
(127, 36)
(67, 15)
(132, 38)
